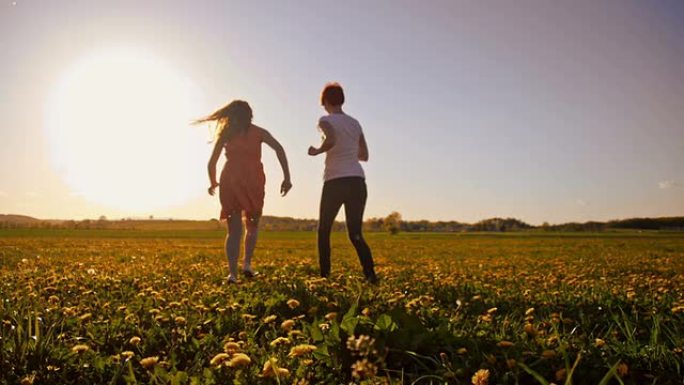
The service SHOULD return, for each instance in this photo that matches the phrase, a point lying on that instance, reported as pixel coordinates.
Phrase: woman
(344, 146)
(241, 187)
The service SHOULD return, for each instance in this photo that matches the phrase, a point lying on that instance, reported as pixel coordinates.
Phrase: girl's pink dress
(242, 179)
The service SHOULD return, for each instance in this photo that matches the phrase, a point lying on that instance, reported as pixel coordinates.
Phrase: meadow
(153, 307)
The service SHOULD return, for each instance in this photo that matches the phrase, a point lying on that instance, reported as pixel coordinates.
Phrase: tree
(392, 223)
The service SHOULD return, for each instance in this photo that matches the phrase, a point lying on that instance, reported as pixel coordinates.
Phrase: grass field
(123, 307)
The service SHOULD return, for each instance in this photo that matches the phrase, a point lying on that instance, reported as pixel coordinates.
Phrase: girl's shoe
(250, 273)
(232, 280)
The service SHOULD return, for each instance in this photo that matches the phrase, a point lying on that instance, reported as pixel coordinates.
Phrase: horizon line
(152, 218)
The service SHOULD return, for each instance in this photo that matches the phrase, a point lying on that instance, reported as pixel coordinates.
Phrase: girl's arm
(363, 149)
(211, 167)
(282, 158)
(328, 142)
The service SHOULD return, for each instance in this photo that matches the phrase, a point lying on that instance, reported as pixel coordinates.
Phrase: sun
(119, 132)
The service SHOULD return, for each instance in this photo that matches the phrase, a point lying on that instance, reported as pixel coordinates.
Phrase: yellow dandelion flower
(492, 310)
(301, 350)
(287, 325)
(331, 316)
(560, 374)
(292, 303)
(248, 317)
(599, 343)
(134, 341)
(529, 311)
(127, 354)
(149, 362)
(269, 319)
(553, 340)
(180, 321)
(85, 317)
(69, 311)
(481, 377)
(530, 330)
(80, 349)
(231, 347)
(505, 344)
(219, 359)
(364, 369)
(548, 353)
(239, 360)
(510, 363)
(462, 351)
(271, 370)
(622, 369)
(28, 380)
(280, 341)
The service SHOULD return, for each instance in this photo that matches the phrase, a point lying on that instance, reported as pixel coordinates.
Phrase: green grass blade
(534, 374)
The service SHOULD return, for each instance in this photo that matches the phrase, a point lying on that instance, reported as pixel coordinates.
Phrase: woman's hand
(213, 187)
(313, 151)
(285, 187)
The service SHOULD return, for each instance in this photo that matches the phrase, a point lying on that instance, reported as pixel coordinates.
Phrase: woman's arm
(328, 141)
(363, 149)
(211, 166)
(282, 158)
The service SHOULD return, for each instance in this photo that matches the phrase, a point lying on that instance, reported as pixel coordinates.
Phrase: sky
(538, 110)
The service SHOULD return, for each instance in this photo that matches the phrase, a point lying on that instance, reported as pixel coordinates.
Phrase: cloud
(668, 184)
(581, 202)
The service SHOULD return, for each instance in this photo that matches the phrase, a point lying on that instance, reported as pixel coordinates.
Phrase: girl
(241, 187)
(344, 146)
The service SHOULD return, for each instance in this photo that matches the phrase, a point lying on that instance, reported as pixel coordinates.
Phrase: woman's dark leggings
(350, 192)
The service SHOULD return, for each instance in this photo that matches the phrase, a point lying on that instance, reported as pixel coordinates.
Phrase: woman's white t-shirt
(342, 160)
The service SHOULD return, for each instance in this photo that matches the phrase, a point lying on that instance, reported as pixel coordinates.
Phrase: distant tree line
(663, 224)
(393, 224)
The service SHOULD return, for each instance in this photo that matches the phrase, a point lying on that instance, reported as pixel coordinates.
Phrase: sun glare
(118, 127)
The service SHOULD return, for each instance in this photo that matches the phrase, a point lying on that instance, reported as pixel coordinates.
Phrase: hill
(12, 218)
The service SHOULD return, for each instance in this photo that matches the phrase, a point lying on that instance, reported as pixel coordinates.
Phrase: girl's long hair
(231, 120)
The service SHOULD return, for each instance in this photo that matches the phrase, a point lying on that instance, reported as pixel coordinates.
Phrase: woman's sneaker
(232, 280)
